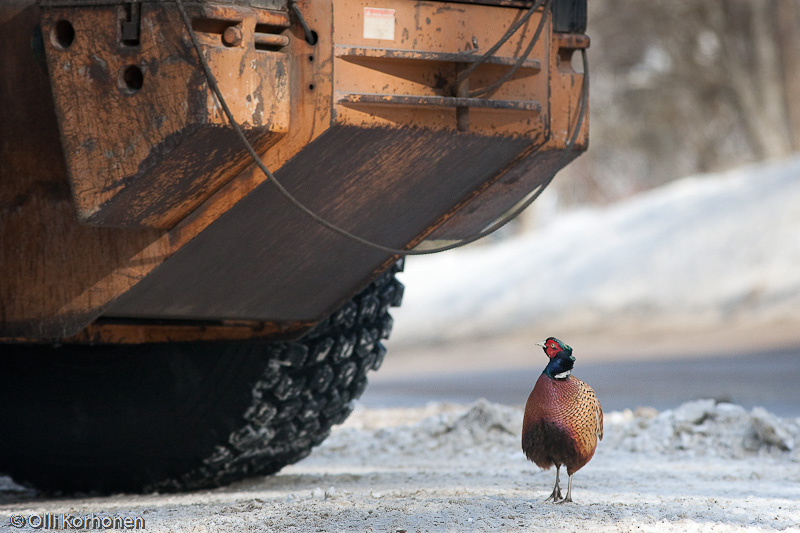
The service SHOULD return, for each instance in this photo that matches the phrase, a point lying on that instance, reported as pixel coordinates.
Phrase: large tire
(184, 416)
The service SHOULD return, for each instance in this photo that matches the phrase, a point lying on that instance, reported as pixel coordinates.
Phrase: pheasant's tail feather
(592, 406)
(599, 413)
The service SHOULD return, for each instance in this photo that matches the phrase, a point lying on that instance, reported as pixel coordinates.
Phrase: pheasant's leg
(556, 495)
(569, 491)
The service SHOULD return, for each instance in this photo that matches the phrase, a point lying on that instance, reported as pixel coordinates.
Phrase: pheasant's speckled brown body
(563, 419)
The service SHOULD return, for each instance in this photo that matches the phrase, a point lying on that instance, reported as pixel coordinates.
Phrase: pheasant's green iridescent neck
(560, 366)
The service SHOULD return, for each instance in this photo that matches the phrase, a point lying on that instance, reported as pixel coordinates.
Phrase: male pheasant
(563, 418)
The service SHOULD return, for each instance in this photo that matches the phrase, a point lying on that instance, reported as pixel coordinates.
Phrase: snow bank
(702, 428)
(449, 432)
(695, 253)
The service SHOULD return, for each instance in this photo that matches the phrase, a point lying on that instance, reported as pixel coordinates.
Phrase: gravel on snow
(704, 466)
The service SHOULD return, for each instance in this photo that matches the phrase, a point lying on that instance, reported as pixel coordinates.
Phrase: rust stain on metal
(353, 53)
(572, 40)
(128, 177)
(421, 71)
(417, 101)
(120, 332)
(48, 260)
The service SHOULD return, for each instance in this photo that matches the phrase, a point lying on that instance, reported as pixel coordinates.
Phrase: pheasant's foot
(556, 494)
(568, 499)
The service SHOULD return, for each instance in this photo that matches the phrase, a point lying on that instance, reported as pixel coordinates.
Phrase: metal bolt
(232, 36)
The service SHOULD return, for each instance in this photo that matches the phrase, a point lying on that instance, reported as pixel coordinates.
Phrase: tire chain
(307, 386)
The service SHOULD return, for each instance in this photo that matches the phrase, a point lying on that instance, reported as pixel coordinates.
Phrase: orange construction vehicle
(203, 205)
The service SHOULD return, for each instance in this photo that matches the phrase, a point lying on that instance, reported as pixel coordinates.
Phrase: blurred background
(667, 256)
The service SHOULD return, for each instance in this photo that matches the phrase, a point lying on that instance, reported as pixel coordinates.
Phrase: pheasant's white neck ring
(563, 375)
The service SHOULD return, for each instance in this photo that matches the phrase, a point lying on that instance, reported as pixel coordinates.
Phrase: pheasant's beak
(540, 344)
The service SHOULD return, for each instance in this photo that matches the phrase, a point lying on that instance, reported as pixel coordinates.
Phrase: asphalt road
(770, 379)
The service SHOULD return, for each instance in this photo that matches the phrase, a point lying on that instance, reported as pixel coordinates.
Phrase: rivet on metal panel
(232, 36)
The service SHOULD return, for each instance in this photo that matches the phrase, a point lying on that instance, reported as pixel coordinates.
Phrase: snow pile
(699, 428)
(698, 252)
(482, 427)
(704, 428)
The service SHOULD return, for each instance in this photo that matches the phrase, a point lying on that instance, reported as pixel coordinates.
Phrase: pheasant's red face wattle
(551, 348)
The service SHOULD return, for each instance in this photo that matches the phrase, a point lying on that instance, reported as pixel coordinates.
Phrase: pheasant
(563, 418)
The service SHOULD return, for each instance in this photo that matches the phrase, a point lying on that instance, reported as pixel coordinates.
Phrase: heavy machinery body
(128, 198)
(131, 212)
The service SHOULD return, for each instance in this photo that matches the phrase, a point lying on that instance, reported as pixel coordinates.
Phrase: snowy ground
(700, 467)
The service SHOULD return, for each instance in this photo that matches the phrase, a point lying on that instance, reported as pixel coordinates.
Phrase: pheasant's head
(561, 358)
(552, 347)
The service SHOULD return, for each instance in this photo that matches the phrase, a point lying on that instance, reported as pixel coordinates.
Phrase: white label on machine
(378, 23)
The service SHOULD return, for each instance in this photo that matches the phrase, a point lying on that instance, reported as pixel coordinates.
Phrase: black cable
(489, 53)
(311, 36)
(494, 85)
(505, 219)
